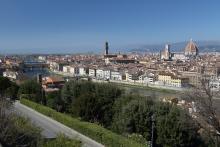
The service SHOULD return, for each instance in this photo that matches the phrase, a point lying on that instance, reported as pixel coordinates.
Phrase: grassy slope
(94, 131)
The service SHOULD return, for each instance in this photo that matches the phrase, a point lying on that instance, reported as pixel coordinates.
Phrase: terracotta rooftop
(191, 47)
(54, 79)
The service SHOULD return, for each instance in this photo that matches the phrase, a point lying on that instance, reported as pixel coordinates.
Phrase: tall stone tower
(165, 54)
(106, 48)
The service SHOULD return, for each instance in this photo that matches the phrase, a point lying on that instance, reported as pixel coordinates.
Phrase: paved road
(50, 127)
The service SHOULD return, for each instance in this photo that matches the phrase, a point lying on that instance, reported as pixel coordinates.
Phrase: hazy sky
(84, 25)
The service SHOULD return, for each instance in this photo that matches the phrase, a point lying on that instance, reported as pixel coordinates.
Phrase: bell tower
(106, 48)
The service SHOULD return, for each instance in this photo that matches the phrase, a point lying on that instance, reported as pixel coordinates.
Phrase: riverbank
(156, 88)
(147, 87)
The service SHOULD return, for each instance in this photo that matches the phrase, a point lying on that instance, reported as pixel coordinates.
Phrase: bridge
(34, 65)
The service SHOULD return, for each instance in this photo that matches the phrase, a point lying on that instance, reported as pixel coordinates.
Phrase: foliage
(207, 138)
(12, 91)
(74, 89)
(8, 88)
(91, 130)
(53, 100)
(62, 141)
(4, 84)
(134, 117)
(91, 101)
(17, 131)
(31, 89)
(138, 138)
(129, 115)
(176, 129)
(203, 97)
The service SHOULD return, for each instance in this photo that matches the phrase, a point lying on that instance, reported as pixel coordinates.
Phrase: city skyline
(83, 26)
(114, 73)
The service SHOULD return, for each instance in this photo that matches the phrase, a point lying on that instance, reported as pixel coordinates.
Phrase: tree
(176, 129)
(91, 101)
(54, 100)
(86, 106)
(4, 84)
(30, 89)
(134, 116)
(12, 91)
(8, 88)
(74, 89)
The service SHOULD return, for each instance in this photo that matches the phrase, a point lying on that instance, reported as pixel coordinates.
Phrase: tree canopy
(91, 101)
(174, 127)
(30, 89)
(8, 88)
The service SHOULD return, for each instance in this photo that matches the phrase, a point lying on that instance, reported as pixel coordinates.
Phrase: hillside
(204, 46)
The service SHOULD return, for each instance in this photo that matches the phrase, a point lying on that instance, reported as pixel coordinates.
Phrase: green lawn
(94, 131)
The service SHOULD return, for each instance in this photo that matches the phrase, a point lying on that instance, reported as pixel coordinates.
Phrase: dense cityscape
(109, 73)
(174, 78)
(176, 71)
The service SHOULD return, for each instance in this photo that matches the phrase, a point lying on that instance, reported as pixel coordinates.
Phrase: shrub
(62, 141)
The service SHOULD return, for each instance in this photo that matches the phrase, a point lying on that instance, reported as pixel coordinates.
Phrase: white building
(42, 58)
(215, 84)
(82, 71)
(149, 78)
(99, 74)
(73, 70)
(134, 76)
(11, 75)
(141, 79)
(66, 69)
(106, 74)
(54, 66)
(179, 56)
(116, 75)
(92, 72)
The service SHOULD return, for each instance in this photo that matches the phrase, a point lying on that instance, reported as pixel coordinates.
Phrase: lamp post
(152, 130)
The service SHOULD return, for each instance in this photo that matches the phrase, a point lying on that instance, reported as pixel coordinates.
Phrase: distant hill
(204, 46)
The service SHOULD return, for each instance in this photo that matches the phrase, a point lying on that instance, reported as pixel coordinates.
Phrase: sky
(84, 25)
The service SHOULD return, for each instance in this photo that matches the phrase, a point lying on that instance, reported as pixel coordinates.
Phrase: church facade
(190, 51)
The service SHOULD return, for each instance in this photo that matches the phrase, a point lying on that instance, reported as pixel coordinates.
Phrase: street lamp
(152, 130)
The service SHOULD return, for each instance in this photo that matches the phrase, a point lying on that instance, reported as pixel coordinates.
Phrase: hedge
(94, 131)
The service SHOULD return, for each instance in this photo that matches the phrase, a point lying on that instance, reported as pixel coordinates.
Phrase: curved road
(50, 128)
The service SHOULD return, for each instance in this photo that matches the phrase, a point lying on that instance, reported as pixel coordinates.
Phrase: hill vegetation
(104, 112)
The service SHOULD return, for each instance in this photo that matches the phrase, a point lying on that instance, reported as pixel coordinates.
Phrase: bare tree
(204, 98)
